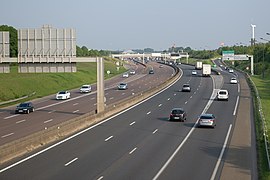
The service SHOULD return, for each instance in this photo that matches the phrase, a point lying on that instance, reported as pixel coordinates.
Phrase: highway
(140, 142)
(50, 112)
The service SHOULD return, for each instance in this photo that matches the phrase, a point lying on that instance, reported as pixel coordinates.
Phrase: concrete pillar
(100, 85)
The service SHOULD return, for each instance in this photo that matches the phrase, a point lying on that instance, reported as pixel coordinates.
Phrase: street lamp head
(267, 33)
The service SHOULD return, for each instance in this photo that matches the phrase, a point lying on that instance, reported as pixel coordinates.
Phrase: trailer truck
(198, 65)
(206, 70)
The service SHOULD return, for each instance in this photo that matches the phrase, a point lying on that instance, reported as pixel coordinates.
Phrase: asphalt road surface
(141, 143)
(50, 112)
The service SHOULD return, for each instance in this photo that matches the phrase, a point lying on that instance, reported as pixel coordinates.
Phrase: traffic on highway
(182, 132)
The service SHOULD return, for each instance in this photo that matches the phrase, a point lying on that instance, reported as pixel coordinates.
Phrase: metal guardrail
(262, 118)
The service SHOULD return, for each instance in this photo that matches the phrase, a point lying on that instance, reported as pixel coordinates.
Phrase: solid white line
(149, 112)
(154, 131)
(11, 116)
(48, 121)
(132, 123)
(71, 161)
(236, 105)
(107, 139)
(85, 130)
(76, 111)
(132, 150)
(20, 121)
(221, 153)
(7, 135)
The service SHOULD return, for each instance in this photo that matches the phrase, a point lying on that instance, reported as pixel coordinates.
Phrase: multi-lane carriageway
(140, 142)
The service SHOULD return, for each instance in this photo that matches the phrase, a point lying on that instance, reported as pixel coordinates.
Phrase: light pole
(253, 35)
(263, 59)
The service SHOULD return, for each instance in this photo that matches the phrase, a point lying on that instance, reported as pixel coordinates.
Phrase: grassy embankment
(263, 86)
(15, 85)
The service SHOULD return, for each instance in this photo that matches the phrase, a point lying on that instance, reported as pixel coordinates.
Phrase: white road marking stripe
(95, 104)
(149, 112)
(107, 139)
(76, 111)
(186, 102)
(174, 94)
(8, 117)
(71, 161)
(92, 98)
(221, 153)
(75, 104)
(7, 135)
(132, 150)
(101, 177)
(190, 97)
(111, 97)
(132, 123)
(20, 121)
(236, 105)
(159, 105)
(51, 111)
(123, 93)
(154, 131)
(168, 99)
(48, 121)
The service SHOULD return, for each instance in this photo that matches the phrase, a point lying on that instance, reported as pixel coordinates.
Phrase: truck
(206, 70)
(198, 65)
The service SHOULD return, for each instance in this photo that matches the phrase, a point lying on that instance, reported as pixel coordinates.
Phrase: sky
(139, 24)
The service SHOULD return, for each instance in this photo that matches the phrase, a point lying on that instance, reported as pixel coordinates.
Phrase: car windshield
(122, 84)
(85, 86)
(62, 92)
(24, 105)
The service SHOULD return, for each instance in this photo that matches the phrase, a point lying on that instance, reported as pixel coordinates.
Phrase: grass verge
(15, 85)
(263, 86)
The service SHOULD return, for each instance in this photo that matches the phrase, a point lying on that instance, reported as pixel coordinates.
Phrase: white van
(223, 95)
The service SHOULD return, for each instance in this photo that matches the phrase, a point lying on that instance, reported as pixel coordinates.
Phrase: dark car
(26, 107)
(151, 71)
(178, 114)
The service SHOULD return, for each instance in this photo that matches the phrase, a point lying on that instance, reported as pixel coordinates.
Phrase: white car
(62, 95)
(125, 75)
(233, 80)
(230, 70)
(132, 72)
(85, 88)
(223, 94)
(194, 72)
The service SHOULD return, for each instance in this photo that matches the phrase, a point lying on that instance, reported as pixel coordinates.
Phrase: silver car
(122, 86)
(207, 120)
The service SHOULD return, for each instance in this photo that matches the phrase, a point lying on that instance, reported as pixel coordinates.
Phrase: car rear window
(185, 85)
(222, 92)
(177, 112)
(206, 117)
